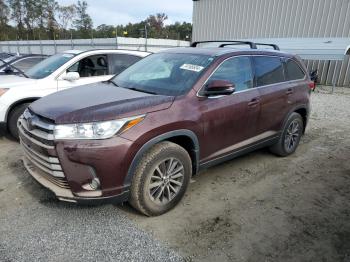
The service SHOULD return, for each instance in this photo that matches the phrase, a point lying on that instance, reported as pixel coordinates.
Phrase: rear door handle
(254, 102)
(289, 91)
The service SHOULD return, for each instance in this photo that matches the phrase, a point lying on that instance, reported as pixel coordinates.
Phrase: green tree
(83, 22)
(3, 20)
(50, 8)
(103, 31)
(17, 14)
(32, 12)
(65, 17)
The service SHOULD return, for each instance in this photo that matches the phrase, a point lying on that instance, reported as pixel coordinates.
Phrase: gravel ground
(255, 208)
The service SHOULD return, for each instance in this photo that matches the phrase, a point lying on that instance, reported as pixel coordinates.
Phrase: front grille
(37, 127)
(34, 131)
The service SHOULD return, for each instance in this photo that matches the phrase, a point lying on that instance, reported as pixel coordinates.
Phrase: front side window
(49, 65)
(293, 71)
(236, 70)
(95, 65)
(164, 73)
(268, 70)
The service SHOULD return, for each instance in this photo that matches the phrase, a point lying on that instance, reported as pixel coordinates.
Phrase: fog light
(93, 185)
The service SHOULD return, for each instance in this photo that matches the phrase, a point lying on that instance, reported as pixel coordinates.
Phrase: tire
(287, 143)
(153, 195)
(13, 119)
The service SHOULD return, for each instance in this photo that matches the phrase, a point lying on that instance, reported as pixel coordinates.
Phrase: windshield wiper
(111, 81)
(143, 91)
(132, 88)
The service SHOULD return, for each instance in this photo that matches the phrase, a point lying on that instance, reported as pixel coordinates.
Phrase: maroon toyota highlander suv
(140, 136)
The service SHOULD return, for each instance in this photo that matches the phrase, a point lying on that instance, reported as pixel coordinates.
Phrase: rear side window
(236, 70)
(120, 62)
(293, 71)
(268, 70)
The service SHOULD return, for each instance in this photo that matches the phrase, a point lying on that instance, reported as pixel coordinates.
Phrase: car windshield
(48, 66)
(164, 73)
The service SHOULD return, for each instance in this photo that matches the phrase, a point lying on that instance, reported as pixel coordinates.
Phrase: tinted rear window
(268, 70)
(120, 62)
(293, 71)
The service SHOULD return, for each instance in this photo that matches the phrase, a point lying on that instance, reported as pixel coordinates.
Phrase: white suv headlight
(96, 130)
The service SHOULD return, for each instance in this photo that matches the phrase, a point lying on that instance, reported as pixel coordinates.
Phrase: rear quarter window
(293, 70)
(268, 70)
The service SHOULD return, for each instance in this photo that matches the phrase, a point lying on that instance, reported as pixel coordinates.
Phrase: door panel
(275, 105)
(229, 120)
(273, 89)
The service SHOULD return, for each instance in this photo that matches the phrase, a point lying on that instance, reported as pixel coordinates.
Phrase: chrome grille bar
(39, 133)
(42, 165)
(36, 132)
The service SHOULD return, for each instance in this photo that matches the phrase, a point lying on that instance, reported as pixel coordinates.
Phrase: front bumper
(68, 167)
(66, 194)
(3, 112)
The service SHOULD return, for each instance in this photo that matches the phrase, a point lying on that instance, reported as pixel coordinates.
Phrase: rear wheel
(290, 137)
(13, 119)
(161, 179)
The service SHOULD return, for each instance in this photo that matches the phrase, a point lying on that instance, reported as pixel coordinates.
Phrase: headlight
(95, 130)
(3, 91)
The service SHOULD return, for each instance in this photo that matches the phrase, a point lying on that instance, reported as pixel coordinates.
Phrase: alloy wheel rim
(166, 181)
(292, 135)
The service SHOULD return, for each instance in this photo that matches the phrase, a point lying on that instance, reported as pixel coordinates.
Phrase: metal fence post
(17, 46)
(335, 76)
(146, 36)
(54, 41)
(116, 37)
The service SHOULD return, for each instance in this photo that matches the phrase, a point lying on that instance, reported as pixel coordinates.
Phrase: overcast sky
(113, 12)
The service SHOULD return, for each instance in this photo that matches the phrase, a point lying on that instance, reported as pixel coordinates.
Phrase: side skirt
(238, 152)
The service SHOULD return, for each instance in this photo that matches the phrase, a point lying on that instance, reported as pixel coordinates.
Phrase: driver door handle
(289, 91)
(254, 102)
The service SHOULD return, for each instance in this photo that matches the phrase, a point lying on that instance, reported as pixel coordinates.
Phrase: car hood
(97, 102)
(9, 81)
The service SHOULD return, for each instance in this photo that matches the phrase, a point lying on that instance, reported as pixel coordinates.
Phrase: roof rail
(227, 42)
(275, 47)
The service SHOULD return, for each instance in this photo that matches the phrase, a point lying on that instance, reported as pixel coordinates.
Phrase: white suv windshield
(48, 66)
(164, 73)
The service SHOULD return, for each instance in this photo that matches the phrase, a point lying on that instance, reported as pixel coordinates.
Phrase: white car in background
(58, 72)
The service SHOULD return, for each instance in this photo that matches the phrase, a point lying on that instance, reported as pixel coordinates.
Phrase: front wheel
(161, 179)
(290, 137)
(13, 119)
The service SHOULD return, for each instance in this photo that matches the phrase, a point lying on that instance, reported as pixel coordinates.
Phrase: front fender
(171, 134)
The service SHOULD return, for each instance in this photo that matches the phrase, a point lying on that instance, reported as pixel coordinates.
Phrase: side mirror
(71, 76)
(8, 70)
(219, 87)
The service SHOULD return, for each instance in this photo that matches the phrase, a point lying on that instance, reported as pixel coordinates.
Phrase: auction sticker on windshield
(195, 68)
